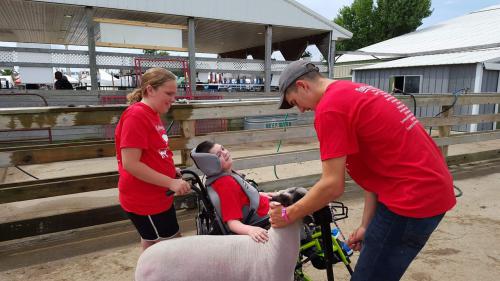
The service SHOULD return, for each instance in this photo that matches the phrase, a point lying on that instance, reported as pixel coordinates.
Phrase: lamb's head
(289, 196)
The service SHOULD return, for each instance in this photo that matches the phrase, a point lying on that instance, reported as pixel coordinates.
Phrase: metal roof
(221, 25)
(477, 28)
(491, 55)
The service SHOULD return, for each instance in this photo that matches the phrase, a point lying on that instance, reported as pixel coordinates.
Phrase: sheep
(234, 257)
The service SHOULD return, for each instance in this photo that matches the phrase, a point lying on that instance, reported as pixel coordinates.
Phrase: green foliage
(6, 72)
(371, 23)
(155, 52)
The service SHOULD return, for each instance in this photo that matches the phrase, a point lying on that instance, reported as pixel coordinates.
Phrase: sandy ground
(466, 245)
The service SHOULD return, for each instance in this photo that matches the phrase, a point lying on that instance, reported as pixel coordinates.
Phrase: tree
(357, 18)
(371, 23)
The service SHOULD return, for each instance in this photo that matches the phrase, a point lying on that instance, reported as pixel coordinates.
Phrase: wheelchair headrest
(208, 163)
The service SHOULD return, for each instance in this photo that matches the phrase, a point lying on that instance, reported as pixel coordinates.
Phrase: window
(408, 84)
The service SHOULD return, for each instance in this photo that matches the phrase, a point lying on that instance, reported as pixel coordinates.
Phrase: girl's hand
(180, 187)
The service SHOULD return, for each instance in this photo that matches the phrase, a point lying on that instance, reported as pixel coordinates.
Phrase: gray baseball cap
(290, 74)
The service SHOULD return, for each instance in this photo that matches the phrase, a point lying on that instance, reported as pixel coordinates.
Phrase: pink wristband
(284, 215)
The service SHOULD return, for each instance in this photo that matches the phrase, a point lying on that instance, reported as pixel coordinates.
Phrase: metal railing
(37, 57)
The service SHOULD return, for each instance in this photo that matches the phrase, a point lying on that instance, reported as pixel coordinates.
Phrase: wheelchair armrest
(263, 222)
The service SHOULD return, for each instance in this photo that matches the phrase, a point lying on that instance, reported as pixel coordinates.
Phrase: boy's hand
(259, 234)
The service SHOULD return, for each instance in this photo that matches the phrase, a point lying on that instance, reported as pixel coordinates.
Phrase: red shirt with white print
(141, 127)
(233, 198)
(388, 152)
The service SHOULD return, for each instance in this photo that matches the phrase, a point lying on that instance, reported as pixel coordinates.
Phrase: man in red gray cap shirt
(384, 148)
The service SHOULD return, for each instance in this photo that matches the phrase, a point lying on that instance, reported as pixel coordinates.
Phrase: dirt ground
(466, 245)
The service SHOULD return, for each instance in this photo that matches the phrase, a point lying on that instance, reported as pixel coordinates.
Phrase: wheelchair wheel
(201, 227)
(203, 221)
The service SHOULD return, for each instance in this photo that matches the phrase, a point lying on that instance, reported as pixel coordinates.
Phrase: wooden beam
(473, 157)
(48, 153)
(281, 158)
(254, 136)
(43, 117)
(447, 99)
(30, 119)
(74, 151)
(458, 120)
(55, 187)
(69, 221)
(54, 153)
(136, 46)
(305, 181)
(468, 138)
(141, 23)
(221, 111)
(55, 223)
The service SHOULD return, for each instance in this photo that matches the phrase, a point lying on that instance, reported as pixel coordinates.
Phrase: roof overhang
(65, 22)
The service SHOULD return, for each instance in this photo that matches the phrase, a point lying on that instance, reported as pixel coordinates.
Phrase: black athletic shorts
(156, 227)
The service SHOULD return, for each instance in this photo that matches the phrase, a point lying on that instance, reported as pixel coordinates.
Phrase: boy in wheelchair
(241, 208)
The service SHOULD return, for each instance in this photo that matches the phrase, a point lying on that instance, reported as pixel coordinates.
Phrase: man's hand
(275, 217)
(356, 238)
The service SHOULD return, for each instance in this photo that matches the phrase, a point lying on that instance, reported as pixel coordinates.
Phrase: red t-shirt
(141, 127)
(233, 198)
(388, 151)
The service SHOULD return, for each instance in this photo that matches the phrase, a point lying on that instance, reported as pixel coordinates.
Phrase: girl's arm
(131, 163)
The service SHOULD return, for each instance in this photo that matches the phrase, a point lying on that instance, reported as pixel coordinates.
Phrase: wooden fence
(186, 114)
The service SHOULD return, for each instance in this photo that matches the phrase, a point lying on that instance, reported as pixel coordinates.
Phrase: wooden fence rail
(187, 114)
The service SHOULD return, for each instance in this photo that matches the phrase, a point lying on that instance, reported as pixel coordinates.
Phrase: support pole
(331, 57)
(478, 85)
(89, 11)
(496, 105)
(192, 54)
(267, 58)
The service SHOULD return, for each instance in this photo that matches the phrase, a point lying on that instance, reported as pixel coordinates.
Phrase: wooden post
(444, 131)
(188, 130)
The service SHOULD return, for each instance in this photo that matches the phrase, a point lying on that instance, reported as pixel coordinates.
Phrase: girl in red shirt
(145, 160)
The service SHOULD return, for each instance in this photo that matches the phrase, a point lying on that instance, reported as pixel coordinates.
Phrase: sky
(443, 10)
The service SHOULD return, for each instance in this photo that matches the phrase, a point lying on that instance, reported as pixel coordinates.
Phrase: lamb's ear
(298, 193)
(283, 198)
